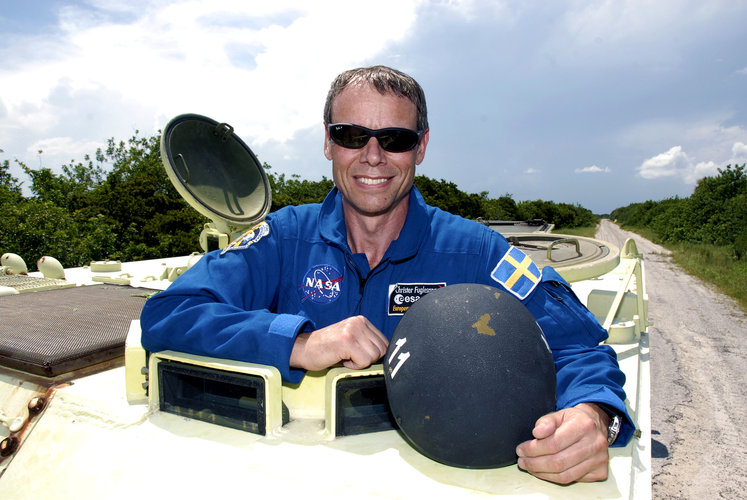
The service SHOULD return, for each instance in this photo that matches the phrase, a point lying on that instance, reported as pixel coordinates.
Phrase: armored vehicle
(88, 413)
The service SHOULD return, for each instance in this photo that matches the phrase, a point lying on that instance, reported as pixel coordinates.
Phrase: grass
(711, 263)
(716, 265)
(587, 231)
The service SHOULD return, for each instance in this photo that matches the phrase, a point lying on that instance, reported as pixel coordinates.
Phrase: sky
(597, 103)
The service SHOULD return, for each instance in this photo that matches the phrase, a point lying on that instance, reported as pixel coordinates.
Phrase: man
(309, 288)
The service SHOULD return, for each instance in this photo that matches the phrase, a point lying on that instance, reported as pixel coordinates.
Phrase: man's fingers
(366, 344)
(556, 438)
(354, 341)
(575, 449)
(558, 461)
(587, 471)
(547, 425)
(365, 351)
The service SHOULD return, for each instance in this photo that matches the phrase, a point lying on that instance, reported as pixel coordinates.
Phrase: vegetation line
(706, 232)
(119, 204)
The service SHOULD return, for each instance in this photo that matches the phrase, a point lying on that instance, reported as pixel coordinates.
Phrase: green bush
(707, 232)
(715, 213)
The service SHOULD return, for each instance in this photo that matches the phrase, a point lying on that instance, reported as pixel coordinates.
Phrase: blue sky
(601, 103)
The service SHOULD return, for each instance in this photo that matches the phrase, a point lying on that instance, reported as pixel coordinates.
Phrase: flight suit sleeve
(586, 370)
(223, 307)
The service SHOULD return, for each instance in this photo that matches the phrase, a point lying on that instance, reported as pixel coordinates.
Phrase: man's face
(371, 180)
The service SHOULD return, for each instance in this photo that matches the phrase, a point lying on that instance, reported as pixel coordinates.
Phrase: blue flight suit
(295, 273)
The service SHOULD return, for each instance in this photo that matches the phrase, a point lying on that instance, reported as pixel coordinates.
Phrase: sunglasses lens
(398, 140)
(394, 140)
(349, 136)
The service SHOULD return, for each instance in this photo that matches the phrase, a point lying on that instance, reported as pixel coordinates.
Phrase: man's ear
(327, 143)
(422, 145)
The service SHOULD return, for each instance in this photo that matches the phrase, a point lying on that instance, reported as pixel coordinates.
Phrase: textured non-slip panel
(56, 331)
(23, 283)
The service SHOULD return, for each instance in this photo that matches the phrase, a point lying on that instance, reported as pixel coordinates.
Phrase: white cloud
(262, 67)
(676, 163)
(704, 146)
(592, 170)
(666, 164)
(669, 164)
(62, 147)
(531, 171)
(700, 170)
(739, 152)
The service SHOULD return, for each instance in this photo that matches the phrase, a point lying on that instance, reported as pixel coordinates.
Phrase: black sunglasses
(392, 139)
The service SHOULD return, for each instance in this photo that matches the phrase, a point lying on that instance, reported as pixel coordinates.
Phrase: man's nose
(372, 152)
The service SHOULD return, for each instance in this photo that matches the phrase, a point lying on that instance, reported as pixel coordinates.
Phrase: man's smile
(371, 181)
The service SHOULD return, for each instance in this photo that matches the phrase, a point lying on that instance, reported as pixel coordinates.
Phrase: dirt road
(699, 380)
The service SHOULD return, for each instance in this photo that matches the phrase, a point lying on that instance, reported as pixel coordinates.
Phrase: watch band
(613, 429)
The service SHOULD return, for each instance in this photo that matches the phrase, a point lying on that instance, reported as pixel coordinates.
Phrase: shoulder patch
(403, 295)
(517, 273)
(249, 238)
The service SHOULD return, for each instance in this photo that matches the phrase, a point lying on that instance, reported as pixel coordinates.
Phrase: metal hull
(101, 436)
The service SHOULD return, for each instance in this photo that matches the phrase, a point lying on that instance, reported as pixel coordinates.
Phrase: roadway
(699, 380)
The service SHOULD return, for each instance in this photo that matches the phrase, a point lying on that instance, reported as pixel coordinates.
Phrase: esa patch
(517, 273)
(249, 238)
(322, 284)
(403, 295)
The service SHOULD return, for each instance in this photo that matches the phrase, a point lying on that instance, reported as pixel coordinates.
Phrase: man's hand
(570, 445)
(354, 341)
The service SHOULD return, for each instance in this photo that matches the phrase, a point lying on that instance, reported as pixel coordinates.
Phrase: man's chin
(372, 207)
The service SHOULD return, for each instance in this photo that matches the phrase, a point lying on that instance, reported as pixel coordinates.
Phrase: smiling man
(315, 285)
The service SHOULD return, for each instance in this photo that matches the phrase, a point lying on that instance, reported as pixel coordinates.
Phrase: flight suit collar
(333, 230)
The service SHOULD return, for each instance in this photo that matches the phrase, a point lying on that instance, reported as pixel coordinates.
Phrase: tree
(447, 196)
(132, 212)
(502, 208)
(140, 205)
(295, 191)
(716, 212)
(10, 198)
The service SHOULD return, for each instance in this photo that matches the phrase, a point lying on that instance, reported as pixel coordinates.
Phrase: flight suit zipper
(362, 281)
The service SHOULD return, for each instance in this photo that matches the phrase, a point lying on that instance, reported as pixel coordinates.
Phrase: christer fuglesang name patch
(403, 295)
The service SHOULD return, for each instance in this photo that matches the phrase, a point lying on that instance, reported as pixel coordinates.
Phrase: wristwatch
(613, 429)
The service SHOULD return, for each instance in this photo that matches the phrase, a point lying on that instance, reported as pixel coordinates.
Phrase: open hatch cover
(215, 171)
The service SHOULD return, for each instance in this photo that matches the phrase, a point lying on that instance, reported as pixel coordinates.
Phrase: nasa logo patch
(322, 284)
(249, 238)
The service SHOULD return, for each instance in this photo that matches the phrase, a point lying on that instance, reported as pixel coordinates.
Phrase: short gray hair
(387, 81)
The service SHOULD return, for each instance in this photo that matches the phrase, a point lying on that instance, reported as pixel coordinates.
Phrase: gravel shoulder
(698, 380)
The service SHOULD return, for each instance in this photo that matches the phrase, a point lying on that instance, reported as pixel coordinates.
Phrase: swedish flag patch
(517, 273)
